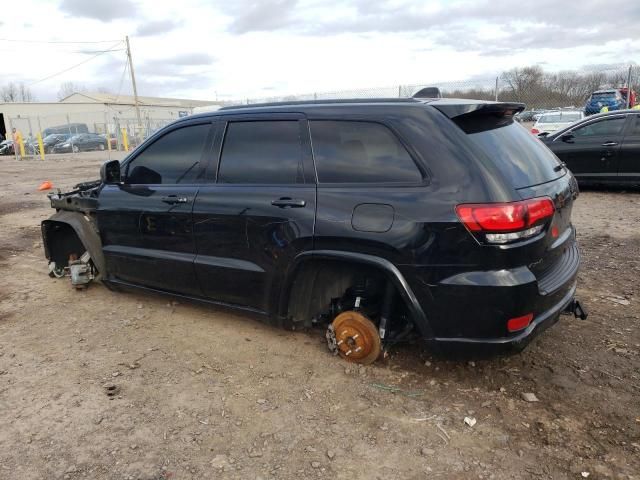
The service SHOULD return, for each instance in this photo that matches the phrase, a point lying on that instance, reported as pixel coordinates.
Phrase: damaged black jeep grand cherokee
(377, 220)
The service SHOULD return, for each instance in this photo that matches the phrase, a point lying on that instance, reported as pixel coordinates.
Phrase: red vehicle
(624, 91)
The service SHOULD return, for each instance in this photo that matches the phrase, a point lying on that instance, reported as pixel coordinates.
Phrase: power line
(124, 71)
(57, 41)
(72, 67)
(87, 52)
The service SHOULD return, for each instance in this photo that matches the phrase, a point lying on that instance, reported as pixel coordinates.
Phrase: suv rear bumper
(520, 340)
(474, 307)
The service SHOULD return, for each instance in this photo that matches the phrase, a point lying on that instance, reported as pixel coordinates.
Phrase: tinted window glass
(636, 126)
(173, 158)
(519, 155)
(360, 152)
(562, 117)
(611, 126)
(267, 152)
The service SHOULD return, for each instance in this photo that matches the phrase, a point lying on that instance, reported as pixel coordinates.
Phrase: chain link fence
(529, 85)
(65, 133)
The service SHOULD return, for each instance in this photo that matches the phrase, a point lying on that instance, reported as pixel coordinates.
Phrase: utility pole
(133, 82)
(629, 88)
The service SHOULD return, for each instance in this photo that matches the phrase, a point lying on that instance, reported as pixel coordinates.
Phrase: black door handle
(173, 199)
(289, 202)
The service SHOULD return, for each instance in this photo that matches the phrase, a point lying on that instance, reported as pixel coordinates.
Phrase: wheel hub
(356, 337)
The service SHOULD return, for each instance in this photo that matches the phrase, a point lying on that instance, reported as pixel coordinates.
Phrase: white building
(100, 112)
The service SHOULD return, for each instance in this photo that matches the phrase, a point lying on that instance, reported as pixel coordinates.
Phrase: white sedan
(550, 122)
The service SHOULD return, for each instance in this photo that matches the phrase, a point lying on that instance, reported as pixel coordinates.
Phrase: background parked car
(527, 115)
(6, 147)
(602, 149)
(113, 139)
(81, 143)
(52, 140)
(67, 129)
(550, 122)
(610, 98)
(624, 91)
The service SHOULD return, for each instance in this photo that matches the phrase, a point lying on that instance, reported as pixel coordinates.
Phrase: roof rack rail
(321, 102)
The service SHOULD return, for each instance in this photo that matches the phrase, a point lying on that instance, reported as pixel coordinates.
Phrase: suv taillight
(506, 222)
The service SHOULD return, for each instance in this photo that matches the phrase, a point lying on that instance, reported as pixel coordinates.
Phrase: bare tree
(525, 83)
(69, 88)
(25, 93)
(9, 93)
(16, 93)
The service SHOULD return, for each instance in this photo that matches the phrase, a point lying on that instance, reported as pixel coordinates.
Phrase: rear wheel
(354, 337)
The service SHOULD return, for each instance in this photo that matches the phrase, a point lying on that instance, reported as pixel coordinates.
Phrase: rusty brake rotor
(356, 337)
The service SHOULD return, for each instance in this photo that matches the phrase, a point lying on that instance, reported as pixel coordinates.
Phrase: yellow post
(21, 143)
(125, 140)
(41, 145)
(108, 142)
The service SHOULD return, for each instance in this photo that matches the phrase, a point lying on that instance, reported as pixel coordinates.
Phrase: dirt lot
(208, 393)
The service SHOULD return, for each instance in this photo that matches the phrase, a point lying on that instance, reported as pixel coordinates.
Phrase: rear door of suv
(367, 185)
(258, 212)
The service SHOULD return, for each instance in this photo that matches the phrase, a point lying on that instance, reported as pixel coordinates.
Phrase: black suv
(379, 220)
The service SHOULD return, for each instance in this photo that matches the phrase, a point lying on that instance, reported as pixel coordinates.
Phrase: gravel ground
(200, 392)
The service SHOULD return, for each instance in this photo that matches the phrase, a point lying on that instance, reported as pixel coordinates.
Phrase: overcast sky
(234, 49)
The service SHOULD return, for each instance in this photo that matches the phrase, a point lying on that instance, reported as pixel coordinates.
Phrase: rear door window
(262, 152)
(521, 157)
(360, 152)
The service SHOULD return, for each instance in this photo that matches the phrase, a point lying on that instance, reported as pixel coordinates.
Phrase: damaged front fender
(71, 233)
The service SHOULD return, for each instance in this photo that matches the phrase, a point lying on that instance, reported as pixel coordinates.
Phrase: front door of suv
(260, 212)
(146, 223)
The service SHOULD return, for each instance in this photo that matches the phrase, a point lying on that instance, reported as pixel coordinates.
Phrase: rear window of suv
(521, 157)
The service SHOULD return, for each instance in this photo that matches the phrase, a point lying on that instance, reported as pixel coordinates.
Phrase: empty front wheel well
(61, 241)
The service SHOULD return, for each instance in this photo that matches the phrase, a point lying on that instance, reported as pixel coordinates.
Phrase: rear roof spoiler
(458, 108)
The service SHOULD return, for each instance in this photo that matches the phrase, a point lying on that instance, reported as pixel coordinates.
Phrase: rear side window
(173, 158)
(521, 157)
(360, 152)
(262, 152)
(609, 126)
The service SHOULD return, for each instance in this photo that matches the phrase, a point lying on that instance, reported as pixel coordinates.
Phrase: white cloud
(248, 48)
(103, 10)
(156, 27)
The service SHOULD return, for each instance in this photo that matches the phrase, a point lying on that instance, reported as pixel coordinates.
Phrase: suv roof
(451, 107)
(348, 101)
